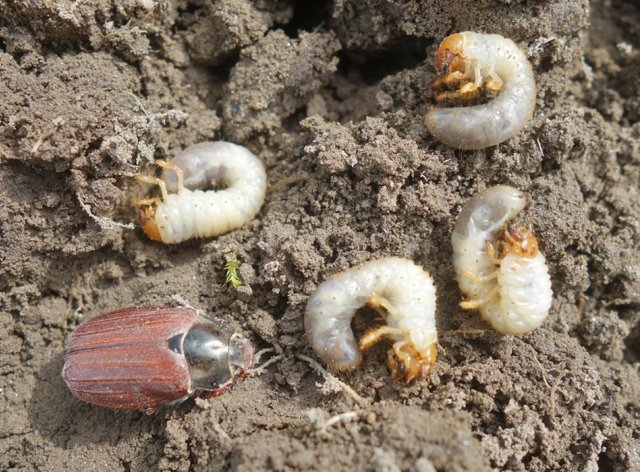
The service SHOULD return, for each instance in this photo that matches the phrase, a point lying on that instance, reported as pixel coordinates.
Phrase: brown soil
(331, 95)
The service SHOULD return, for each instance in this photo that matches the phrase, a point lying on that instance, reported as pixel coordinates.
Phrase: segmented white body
(522, 283)
(480, 126)
(525, 295)
(398, 285)
(195, 213)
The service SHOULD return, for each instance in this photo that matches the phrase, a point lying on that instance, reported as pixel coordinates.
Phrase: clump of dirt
(332, 98)
(273, 79)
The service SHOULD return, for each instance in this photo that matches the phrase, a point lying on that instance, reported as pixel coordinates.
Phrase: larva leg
(168, 165)
(154, 180)
(148, 213)
(399, 353)
(396, 357)
(376, 335)
(494, 255)
(146, 201)
(475, 303)
(494, 84)
(403, 359)
(468, 85)
(477, 278)
(465, 93)
(467, 89)
(512, 235)
(402, 352)
(382, 306)
(450, 79)
(472, 87)
(457, 96)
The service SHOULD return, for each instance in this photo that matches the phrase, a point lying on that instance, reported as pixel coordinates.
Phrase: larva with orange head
(191, 212)
(506, 279)
(472, 66)
(404, 296)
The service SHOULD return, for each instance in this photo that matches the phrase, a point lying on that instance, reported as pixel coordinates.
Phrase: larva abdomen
(525, 293)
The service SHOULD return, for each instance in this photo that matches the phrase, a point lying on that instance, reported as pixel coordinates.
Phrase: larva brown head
(449, 55)
(148, 222)
(521, 241)
(407, 364)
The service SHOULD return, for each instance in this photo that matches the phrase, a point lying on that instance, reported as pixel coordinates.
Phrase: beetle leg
(220, 390)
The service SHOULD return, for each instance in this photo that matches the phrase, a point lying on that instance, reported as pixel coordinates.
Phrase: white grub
(475, 64)
(193, 212)
(506, 279)
(403, 294)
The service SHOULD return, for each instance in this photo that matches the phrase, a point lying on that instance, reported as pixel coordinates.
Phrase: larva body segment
(506, 279)
(525, 294)
(401, 292)
(191, 212)
(478, 63)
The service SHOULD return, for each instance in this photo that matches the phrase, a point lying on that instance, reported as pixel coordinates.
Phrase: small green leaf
(231, 268)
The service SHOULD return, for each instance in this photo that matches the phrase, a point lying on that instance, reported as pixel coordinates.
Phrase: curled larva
(404, 296)
(191, 212)
(471, 66)
(506, 279)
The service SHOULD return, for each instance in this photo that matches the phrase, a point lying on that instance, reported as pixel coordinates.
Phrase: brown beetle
(144, 358)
